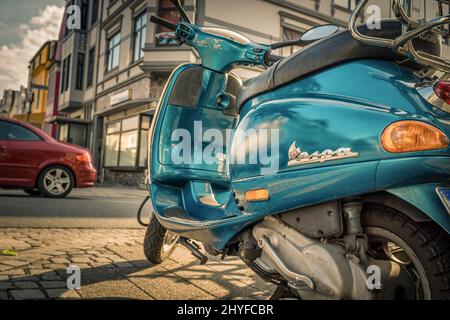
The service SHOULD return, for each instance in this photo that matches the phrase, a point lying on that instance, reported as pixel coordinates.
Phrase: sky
(25, 25)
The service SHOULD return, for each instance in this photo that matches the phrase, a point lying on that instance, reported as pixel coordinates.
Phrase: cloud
(14, 59)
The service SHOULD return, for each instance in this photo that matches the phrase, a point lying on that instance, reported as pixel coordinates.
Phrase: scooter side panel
(347, 106)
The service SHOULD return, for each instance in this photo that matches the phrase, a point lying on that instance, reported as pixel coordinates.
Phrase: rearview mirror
(319, 32)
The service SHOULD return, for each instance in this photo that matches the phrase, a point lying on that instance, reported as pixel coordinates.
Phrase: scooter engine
(315, 269)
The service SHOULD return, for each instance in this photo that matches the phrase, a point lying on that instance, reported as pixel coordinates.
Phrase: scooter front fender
(426, 198)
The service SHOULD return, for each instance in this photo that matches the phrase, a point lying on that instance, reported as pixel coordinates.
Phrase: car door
(3, 152)
(25, 152)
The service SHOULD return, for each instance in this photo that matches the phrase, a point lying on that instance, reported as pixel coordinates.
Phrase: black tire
(154, 242)
(32, 192)
(428, 241)
(47, 193)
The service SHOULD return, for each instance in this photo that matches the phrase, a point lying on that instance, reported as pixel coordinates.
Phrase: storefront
(126, 143)
(121, 134)
(74, 131)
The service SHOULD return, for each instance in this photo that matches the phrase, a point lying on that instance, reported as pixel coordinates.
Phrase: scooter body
(338, 108)
(226, 171)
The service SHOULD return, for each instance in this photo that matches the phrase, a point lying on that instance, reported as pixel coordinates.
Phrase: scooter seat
(338, 48)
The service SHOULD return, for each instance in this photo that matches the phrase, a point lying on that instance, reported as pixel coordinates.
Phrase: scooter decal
(299, 157)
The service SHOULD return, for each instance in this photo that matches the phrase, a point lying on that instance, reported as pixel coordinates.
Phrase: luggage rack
(411, 29)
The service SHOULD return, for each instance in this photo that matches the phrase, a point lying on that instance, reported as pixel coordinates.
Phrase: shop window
(77, 134)
(126, 143)
(143, 146)
(63, 132)
(73, 133)
(168, 11)
(140, 34)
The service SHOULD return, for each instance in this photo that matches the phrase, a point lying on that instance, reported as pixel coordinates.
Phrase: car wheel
(32, 192)
(56, 182)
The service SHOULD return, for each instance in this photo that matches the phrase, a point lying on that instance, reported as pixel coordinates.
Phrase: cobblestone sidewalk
(112, 267)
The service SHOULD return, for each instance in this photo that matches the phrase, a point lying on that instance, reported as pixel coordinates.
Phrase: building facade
(38, 83)
(113, 69)
(53, 118)
(15, 103)
(7, 103)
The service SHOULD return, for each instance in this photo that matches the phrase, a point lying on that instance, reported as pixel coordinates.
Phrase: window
(140, 33)
(290, 34)
(143, 146)
(168, 11)
(14, 132)
(346, 4)
(73, 133)
(51, 51)
(94, 13)
(51, 86)
(90, 70)
(65, 75)
(80, 71)
(126, 142)
(38, 99)
(84, 14)
(113, 52)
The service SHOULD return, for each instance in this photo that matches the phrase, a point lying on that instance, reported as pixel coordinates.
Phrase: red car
(35, 162)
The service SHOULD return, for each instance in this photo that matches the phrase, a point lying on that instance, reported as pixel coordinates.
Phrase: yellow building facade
(38, 85)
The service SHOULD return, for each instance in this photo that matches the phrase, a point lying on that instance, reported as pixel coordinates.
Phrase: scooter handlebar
(270, 58)
(163, 22)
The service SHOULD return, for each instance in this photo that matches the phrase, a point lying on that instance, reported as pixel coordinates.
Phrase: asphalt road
(99, 207)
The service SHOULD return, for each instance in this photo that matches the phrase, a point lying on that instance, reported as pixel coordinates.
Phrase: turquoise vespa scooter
(328, 174)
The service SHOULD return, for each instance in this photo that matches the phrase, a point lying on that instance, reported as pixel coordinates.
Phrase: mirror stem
(184, 16)
(286, 44)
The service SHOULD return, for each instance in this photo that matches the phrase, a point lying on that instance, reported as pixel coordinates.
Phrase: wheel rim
(170, 241)
(394, 249)
(57, 181)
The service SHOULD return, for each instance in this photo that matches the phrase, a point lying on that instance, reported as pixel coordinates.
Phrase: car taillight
(85, 157)
(442, 90)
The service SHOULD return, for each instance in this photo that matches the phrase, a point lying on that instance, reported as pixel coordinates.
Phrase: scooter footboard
(199, 212)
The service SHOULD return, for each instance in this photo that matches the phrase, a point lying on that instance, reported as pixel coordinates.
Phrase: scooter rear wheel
(159, 243)
(420, 248)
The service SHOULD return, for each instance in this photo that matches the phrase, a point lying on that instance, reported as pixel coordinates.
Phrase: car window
(14, 132)
(2, 130)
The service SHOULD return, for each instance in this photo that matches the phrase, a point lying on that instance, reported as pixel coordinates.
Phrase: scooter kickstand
(194, 249)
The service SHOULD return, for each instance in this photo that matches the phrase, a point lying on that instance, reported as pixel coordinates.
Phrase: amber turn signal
(257, 195)
(412, 136)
